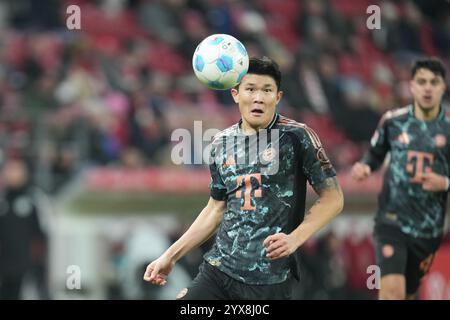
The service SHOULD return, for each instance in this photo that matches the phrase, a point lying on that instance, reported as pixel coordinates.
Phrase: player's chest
(256, 161)
(420, 137)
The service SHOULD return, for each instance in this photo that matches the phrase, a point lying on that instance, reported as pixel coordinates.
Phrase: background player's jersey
(264, 185)
(415, 147)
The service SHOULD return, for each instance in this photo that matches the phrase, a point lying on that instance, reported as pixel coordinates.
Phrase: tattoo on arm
(327, 184)
(315, 203)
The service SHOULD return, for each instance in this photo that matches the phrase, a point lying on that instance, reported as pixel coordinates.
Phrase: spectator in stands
(20, 230)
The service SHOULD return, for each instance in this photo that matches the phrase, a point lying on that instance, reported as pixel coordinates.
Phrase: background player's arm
(434, 182)
(328, 206)
(374, 157)
(204, 226)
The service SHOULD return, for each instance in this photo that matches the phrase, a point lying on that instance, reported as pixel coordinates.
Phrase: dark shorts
(213, 284)
(398, 253)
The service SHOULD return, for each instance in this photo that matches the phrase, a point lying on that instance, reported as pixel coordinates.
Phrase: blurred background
(89, 194)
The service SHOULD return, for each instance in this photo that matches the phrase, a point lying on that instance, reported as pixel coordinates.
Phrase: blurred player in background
(259, 216)
(410, 219)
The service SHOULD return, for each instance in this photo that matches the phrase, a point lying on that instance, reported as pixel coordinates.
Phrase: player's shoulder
(395, 114)
(285, 124)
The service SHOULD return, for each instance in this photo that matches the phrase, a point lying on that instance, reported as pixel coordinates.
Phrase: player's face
(427, 89)
(257, 98)
(14, 174)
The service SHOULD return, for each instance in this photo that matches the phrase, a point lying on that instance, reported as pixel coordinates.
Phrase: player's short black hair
(265, 66)
(433, 64)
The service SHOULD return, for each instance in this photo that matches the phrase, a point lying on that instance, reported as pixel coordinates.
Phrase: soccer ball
(220, 61)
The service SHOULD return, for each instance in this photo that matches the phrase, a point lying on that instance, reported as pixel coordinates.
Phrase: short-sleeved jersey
(415, 147)
(262, 177)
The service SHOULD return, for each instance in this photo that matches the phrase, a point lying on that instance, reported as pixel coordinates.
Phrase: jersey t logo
(269, 154)
(257, 192)
(418, 163)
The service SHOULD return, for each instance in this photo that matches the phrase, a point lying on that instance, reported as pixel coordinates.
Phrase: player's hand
(158, 270)
(360, 171)
(279, 245)
(433, 182)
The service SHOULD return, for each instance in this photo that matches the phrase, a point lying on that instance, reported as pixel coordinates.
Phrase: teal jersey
(262, 177)
(415, 147)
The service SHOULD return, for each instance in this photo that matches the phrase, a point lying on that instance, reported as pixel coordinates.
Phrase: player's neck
(248, 129)
(424, 114)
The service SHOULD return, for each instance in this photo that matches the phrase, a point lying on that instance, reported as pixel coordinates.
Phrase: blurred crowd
(112, 92)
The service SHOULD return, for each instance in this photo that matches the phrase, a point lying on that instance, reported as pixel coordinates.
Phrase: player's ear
(279, 95)
(235, 95)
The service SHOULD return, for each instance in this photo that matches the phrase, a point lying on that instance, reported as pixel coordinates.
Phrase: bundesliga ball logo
(220, 61)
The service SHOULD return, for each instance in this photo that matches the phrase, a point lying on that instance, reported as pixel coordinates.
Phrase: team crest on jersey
(269, 154)
(440, 140)
(403, 138)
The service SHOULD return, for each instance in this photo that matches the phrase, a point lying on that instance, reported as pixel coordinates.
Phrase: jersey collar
(271, 123)
(441, 114)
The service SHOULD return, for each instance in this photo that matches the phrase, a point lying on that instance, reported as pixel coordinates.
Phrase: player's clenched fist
(158, 270)
(360, 171)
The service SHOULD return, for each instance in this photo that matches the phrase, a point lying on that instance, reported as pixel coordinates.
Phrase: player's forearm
(201, 230)
(320, 214)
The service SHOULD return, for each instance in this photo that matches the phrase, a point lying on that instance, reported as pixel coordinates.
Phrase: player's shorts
(398, 253)
(213, 284)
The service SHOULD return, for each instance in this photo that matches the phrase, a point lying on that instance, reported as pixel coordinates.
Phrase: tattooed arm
(328, 206)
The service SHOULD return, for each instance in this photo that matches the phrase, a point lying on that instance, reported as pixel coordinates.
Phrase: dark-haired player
(259, 171)
(410, 218)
